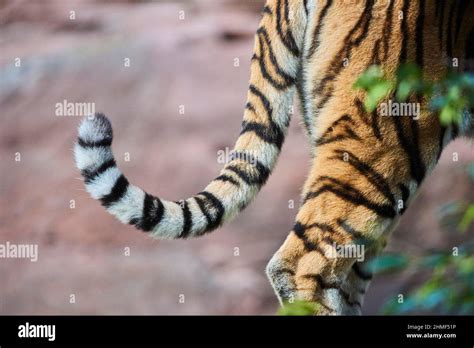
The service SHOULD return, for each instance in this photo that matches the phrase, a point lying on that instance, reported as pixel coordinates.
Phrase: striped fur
(366, 168)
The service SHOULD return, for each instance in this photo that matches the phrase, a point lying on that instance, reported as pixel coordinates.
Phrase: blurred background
(194, 54)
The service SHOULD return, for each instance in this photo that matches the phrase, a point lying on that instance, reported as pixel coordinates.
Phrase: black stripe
(325, 228)
(288, 79)
(329, 240)
(187, 220)
(416, 167)
(334, 139)
(362, 112)
(332, 285)
(283, 271)
(419, 33)
(266, 9)
(271, 134)
(90, 175)
(469, 52)
(216, 203)
(361, 273)
(449, 31)
(358, 236)
(287, 38)
(327, 139)
(387, 31)
(227, 178)
(455, 130)
(352, 195)
(374, 177)
(266, 104)
(317, 29)
(241, 174)
(350, 133)
(153, 211)
(405, 195)
(439, 7)
(249, 106)
(87, 144)
(248, 177)
(365, 26)
(213, 202)
(440, 11)
(299, 231)
(374, 59)
(404, 29)
(289, 33)
(375, 124)
(462, 7)
(202, 206)
(351, 40)
(327, 93)
(301, 95)
(341, 119)
(117, 192)
(441, 140)
(416, 150)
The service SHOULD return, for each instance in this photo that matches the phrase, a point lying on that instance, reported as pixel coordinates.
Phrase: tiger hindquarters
(324, 258)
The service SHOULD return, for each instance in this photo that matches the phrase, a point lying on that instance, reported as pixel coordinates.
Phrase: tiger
(366, 169)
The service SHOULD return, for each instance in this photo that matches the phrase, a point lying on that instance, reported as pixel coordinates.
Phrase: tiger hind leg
(304, 272)
(337, 230)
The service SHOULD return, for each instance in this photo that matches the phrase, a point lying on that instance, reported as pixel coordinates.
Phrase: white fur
(91, 158)
(130, 206)
(91, 129)
(172, 222)
(104, 183)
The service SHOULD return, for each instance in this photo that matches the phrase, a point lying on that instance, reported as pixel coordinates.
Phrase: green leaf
(448, 115)
(454, 93)
(368, 78)
(467, 218)
(376, 93)
(409, 71)
(433, 260)
(404, 89)
(299, 308)
(434, 298)
(466, 265)
(468, 80)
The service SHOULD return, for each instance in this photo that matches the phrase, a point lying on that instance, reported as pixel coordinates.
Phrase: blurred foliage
(449, 288)
(387, 263)
(298, 308)
(449, 96)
